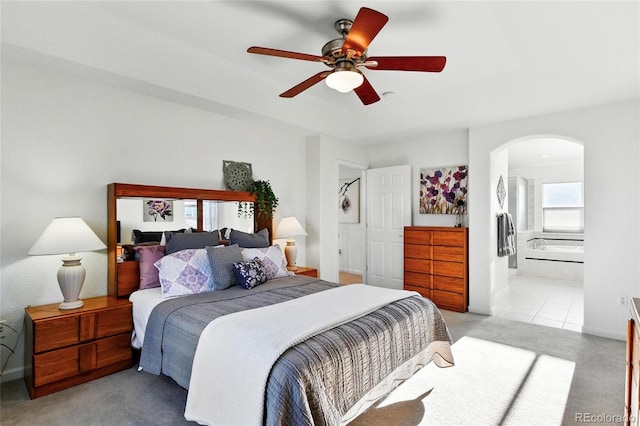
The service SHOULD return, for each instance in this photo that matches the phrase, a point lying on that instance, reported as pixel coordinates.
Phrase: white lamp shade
(344, 81)
(289, 227)
(66, 235)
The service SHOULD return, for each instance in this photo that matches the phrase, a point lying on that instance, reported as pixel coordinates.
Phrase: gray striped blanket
(316, 381)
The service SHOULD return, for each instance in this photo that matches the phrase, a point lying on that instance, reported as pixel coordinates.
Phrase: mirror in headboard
(200, 209)
(136, 225)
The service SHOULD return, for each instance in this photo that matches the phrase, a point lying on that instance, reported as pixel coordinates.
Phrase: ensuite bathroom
(545, 193)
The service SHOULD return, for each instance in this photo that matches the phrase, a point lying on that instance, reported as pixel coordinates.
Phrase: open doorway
(545, 199)
(351, 224)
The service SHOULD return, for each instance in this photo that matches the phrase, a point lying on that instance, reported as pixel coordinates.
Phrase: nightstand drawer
(70, 330)
(114, 321)
(56, 365)
(57, 333)
(63, 363)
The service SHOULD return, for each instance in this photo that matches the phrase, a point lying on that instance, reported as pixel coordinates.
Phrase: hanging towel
(506, 235)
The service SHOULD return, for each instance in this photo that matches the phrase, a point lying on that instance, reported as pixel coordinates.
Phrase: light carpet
(506, 372)
(490, 384)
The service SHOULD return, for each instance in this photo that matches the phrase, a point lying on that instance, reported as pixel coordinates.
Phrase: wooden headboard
(123, 278)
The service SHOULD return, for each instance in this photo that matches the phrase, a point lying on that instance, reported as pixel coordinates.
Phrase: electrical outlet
(622, 301)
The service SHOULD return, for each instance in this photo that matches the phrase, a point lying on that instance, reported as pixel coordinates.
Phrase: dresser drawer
(455, 254)
(423, 291)
(448, 300)
(451, 284)
(417, 236)
(418, 265)
(64, 363)
(448, 238)
(418, 251)
(450, 269)
(417, 279)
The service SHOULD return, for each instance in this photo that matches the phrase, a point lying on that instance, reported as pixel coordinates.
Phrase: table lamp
(68, 235)
(289, 227)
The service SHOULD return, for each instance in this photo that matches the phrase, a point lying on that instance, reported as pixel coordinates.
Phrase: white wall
(64, 139)
(352, 236)
(611, 137)
(324, 156)
(499, 265)
(432, 150)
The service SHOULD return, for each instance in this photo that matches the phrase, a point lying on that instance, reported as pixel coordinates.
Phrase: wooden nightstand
(310, 272)
(66, 348)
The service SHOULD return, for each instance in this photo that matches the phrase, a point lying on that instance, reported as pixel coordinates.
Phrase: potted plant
(266, 200)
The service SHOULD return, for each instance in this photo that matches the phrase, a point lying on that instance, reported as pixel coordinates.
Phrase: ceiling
(505, 59)
(540, 152)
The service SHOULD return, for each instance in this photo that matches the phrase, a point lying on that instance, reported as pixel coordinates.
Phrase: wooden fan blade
(365, 27)
(285, 54)
(366, 93)
(408, 63)
(305, 84)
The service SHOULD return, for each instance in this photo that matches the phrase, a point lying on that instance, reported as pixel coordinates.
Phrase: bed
(292, 350)
(329, 378)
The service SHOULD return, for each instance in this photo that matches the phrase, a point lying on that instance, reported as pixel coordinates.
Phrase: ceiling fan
(345, 55)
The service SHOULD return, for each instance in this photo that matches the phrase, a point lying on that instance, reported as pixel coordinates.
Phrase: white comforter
(237, 351)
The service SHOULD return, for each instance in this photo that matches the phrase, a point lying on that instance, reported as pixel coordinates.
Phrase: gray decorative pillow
(257, 240)
(222, 270)
(197, 240)
(237, 176)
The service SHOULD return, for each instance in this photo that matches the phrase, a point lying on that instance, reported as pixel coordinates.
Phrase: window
(563, 207)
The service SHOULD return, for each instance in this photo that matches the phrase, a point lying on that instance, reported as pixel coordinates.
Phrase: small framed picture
(155, 210)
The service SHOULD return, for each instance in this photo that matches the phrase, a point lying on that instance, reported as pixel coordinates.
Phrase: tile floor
(544, 301)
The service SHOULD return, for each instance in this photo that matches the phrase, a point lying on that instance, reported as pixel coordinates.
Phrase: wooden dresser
(66, 347)
(435, 265)
(632, 386)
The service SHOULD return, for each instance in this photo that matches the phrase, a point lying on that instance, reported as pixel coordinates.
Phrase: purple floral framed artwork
(443, 190)
(157, 211)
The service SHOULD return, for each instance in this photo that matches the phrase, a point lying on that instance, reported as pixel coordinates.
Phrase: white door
(388, 212)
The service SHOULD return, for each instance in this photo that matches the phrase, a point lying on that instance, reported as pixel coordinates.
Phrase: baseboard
(12, 374)
(476, 310)
(604, 333)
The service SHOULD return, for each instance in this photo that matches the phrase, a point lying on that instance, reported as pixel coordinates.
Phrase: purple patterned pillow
(185, 272)
(272, 259)
(251, 273)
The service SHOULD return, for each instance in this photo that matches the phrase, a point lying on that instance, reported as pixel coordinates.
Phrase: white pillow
(185, 272)
(272, 259)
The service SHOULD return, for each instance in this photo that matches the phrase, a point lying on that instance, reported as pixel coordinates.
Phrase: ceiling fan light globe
(344, 81)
